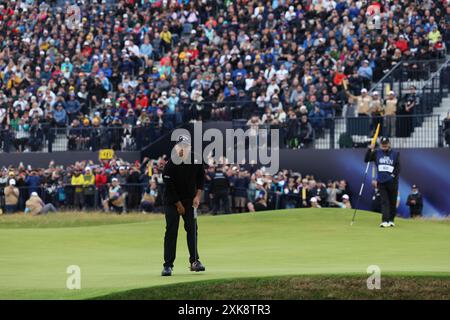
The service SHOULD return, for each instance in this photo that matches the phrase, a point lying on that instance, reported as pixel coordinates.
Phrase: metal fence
(405, 131)
(415, 131)
(430, 77)
(67, 197)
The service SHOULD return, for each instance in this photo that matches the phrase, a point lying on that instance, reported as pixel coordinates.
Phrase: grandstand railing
(417, 73)
(405, 131)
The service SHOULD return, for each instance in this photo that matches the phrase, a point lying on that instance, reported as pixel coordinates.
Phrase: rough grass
(70, 219)
(296, 287)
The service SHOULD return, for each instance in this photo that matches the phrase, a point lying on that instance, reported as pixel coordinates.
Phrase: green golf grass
(121, 253)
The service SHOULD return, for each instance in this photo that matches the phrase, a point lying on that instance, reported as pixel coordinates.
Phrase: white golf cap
(392, 92)
(114, 180)
(345, 196)
(375, 93)
(313, 199)
(12, 182)
(363, 90)
(34, 194)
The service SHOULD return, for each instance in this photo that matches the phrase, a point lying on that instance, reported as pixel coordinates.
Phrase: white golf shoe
(384, 224)
(391, 224)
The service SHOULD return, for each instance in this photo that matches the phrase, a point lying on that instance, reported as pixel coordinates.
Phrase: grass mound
(295, 287)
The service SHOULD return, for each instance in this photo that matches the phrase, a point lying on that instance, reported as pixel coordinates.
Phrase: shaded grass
(295, 287)
(70, 219)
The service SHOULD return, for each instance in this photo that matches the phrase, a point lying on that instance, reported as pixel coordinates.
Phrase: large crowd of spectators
(154, 64)
(123, 186)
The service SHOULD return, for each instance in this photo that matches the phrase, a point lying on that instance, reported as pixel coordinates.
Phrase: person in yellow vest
(166, 37)
(434, 35)
(36, 206)
(390, 111)
(89, 188)
(77, 182)
(12, 194)
(116, 198)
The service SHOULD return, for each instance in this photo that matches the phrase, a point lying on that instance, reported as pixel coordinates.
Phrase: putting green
(117, 253)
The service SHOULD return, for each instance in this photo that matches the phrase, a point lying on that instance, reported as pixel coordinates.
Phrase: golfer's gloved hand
(180, 208)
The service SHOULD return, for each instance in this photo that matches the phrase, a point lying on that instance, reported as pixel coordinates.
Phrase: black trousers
(219, 198)
(170, 238)
(388, 194)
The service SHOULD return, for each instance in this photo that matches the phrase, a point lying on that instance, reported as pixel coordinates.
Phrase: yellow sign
(106, 154)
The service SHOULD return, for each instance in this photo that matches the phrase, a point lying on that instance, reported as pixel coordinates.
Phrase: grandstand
(396, 60)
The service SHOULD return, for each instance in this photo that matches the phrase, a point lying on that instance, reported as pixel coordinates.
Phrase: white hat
(363, 90)
(313, 199)
(12, 182)
(345, 196)
(375, 93)
(392, 92)
(34, 194)
(122, 168)
(114, 180)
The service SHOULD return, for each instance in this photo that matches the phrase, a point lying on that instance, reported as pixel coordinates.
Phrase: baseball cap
(345, 196)
(34, 194)
(114, 180)
(384, 140)
(414, 186)
(12, 182)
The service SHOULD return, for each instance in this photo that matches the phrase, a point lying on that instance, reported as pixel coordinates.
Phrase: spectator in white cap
(345, 204)
(362, 102)
(376, 110)
(12, 194)
(116, 198)
(36, 206)
(314, 203)
(390, 111)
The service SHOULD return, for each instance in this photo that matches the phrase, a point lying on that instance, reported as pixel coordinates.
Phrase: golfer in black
(387, 162)
(183, 188)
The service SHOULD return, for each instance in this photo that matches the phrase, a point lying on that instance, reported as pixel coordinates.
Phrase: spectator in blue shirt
(365, 72)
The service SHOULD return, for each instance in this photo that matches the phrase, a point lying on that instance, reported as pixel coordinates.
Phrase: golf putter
(195, 232)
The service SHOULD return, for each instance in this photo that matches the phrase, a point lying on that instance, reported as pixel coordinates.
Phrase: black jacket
(182, 182)
(417, 207)
(220, 184)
